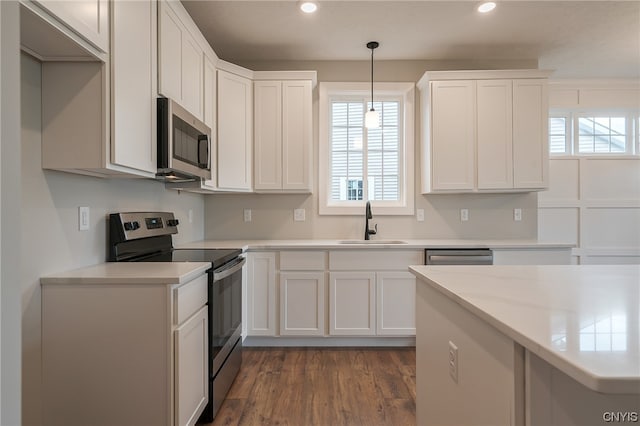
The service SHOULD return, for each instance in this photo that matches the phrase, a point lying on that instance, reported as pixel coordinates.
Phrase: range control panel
(136, 225)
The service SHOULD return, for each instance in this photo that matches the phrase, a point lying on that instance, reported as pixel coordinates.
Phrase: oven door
(225, 312)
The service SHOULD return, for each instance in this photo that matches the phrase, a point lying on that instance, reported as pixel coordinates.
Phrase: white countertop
(131, 273)
(582, 319)
(312, 244)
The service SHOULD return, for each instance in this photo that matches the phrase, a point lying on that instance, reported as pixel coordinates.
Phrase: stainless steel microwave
(184, 144)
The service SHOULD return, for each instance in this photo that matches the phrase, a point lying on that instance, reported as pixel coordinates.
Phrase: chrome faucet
(367, 216)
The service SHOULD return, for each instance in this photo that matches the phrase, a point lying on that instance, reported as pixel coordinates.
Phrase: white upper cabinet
(283, 135)
(133, 85)
(494, 133)
(192, 75)
(268, 134)
(235, 132)
(89, 18)
(452, 119)
(484, 131)
(181, 58)
(530, 133)
(209, 112)
(102, 123)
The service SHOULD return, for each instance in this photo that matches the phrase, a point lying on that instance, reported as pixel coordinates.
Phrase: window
(357, 152)
(359, 164)
(600, 133)
(559, 140)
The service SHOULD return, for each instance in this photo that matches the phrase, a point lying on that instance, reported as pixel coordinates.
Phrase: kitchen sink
(372, 242)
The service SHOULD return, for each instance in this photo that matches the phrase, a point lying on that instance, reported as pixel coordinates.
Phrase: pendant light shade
(372, 118)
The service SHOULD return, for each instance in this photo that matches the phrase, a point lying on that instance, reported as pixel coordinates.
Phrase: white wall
(51, 241)
(594, 202)
(490, 215)
(10, 215)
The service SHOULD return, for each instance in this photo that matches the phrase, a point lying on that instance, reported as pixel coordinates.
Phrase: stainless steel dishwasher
(458, 257)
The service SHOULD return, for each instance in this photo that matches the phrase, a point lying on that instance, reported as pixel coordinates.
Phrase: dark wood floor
(323, 386)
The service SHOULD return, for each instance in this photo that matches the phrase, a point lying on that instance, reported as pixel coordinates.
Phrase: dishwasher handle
(459, 257)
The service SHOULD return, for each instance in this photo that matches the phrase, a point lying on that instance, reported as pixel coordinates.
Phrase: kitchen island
(535, 345)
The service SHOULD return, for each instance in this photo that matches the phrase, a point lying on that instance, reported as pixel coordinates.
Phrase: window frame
(612, 112)
(632, 129)
(568, 131)
(401, 91)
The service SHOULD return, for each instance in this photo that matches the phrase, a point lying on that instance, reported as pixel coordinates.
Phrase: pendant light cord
(372, 79)
(372, 45)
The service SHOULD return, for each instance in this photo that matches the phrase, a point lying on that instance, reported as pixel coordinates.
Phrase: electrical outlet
(190, 216)
(464, 215)
(420, 215)
(247, 215)
(83, 218)
(453, 361)
(299, 215)
(517, 215)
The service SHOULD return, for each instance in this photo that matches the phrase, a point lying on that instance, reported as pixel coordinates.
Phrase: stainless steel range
(146, 237)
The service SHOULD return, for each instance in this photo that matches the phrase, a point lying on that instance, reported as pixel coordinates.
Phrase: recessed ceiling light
(308, 6)
(487, 6)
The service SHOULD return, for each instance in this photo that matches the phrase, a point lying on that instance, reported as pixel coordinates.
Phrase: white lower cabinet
(302, 307)
(352, 304)
(318, 293)
(371, 292)
(191, 368)
(124, 354)
(396, 303)
(261, 303)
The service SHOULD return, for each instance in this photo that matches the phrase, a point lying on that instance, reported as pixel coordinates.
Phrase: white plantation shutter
(558, 135)
(356, 152)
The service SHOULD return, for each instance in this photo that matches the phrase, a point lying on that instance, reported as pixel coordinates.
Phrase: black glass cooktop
(217, 257)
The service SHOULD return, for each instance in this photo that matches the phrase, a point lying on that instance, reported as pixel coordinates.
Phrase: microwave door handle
(201, 139)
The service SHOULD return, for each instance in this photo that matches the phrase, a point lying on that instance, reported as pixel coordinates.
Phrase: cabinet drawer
(303, 260)
(374, 260)
(188, 298)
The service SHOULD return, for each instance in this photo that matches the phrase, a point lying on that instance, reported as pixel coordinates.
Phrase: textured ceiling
(576, 38)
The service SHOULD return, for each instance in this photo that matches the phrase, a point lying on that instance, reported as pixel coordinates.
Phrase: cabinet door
(452, 135)
(494, 134)
(530, 133)
(192, 70)
(235, 132)
(170, 53)
(352, 303)
(210, 114)
(268, 134)
(296, 135)
(192, 371)
(133, 85)
(261, 294)
(396, 303)
(90, 18)
(302, 309)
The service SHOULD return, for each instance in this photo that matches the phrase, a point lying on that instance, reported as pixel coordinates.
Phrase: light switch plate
(420, 215)
(517, 215)
(83, 218)
(299, 215)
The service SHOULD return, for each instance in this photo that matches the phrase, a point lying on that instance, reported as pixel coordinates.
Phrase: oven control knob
(173, 222)
(131, 226)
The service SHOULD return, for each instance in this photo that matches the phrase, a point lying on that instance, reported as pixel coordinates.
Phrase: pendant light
(371, 118)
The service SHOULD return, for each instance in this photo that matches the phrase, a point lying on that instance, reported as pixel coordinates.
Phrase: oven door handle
(217, 276)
